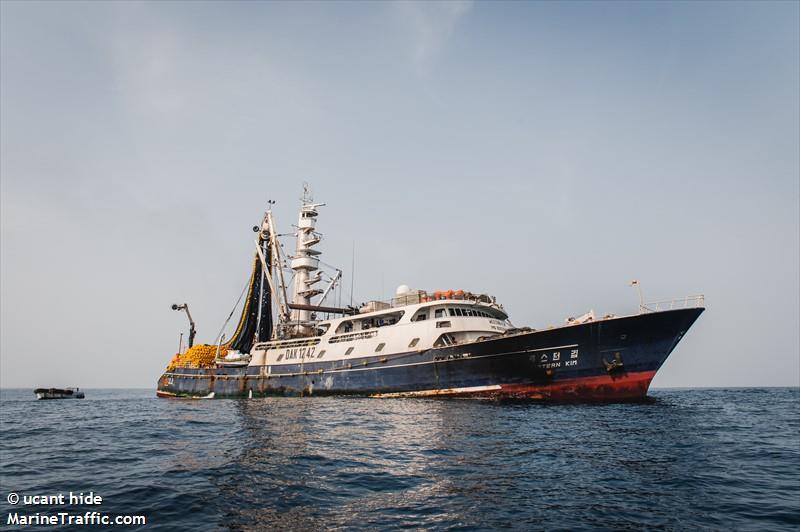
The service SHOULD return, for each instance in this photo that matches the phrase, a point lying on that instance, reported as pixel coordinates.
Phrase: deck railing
(696, 301)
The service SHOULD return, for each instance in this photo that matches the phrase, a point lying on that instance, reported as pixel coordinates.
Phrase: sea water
(712, 459)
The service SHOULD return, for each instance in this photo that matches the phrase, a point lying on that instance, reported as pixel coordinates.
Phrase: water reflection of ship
(420, 343)
(319, 460)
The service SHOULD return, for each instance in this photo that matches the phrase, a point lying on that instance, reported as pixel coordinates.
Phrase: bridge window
(345, 327)
(469, 313)
(382, 320)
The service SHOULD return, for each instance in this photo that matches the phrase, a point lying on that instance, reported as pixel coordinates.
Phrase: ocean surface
(712, 459)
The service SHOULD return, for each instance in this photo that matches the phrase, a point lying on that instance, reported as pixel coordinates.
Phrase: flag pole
(639, 291)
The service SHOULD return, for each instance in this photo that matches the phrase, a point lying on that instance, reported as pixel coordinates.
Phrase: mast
(305, 263)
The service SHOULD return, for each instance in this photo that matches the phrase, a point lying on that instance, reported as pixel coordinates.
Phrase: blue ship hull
(608, 360)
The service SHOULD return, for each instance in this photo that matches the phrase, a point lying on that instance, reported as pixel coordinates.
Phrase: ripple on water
(688, 459)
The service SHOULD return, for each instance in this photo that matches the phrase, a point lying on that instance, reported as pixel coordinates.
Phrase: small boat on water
(58, 393)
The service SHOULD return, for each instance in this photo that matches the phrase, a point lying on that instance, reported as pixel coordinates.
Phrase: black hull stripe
(371, 367)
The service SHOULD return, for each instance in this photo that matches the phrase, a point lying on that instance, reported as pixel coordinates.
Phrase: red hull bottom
(605, 388)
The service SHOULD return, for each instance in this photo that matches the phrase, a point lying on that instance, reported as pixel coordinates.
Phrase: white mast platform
(305, 263)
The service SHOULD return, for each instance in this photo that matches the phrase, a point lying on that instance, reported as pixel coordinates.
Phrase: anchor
(615, 365)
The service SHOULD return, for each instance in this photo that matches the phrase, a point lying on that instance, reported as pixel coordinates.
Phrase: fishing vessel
(58, 393)
(290, 340)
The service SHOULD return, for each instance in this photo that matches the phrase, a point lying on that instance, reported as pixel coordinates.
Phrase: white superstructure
(412, 321)
(393, 330)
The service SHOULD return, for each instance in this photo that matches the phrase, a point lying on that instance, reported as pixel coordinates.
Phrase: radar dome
(402, 290)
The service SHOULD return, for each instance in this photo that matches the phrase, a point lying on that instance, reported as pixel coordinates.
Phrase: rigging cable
(246, 285)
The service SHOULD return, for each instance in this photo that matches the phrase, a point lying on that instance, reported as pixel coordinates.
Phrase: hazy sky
(546, 153)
